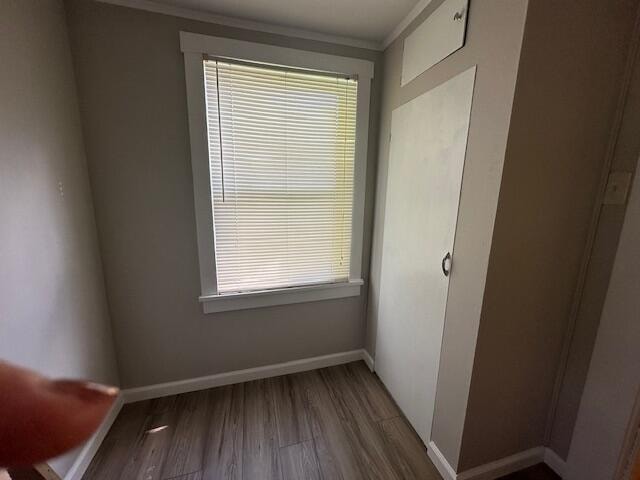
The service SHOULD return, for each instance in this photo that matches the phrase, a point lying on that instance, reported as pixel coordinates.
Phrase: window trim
(194, 47)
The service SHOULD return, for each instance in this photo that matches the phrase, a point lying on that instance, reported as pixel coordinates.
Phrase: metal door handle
(446, 270)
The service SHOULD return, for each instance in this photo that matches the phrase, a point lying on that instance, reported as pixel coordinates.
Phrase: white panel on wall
(426, 159)
(441, 34)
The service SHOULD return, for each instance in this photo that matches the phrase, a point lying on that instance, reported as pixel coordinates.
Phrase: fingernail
(105, 389)
(84, 390)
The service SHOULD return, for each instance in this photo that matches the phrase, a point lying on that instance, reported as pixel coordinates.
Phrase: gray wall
(494, 37)
(613, 384)
(569, 80)
(610, 218)
(130, 76)
(53, 309)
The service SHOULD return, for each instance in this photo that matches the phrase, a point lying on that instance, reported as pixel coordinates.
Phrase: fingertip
(42, 419)
(84, 391)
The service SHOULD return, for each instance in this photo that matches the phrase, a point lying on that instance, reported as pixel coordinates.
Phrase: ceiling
(365, 20)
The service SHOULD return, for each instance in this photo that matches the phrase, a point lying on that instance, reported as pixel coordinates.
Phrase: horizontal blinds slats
(282, 179)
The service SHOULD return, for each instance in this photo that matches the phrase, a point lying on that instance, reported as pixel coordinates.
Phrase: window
(278, 146)
(281, 149)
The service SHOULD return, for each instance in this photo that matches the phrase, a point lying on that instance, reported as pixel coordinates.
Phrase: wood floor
(327, 424)
(333, 423)
(537, 472)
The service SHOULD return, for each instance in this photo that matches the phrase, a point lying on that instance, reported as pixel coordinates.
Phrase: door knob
(446, 264)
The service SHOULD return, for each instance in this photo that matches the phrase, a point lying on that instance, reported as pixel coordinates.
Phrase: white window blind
(281, 157)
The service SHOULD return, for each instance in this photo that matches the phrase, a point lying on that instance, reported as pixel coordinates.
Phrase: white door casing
(426, 160)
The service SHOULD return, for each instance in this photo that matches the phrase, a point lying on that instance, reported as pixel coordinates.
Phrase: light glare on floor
(157, 429)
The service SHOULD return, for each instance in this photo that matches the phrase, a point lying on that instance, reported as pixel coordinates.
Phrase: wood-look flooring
(536, 472)
(329, 424)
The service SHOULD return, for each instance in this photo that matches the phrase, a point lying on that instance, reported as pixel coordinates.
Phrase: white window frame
(194, 47)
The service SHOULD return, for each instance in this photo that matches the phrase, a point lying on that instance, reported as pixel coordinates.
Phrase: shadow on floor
(537, 472)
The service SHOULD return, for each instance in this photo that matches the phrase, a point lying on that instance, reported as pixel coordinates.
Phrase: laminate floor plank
(328, 462)
(335, 454)
(130, 419)
(292, 410)
(189, 476)
(363, 435)
(150, 449)
(114, 452)
(375, 399)
(261, 459)
(299, 462)
(406, 450)
(337, 423)
(224, 441)
(536, 472)
(185, 454)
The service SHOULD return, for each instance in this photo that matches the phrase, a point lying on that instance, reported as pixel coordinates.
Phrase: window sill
(282, 296)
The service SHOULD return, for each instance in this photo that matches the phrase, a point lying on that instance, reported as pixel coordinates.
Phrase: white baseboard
(90, 448)
(504, 466)
(239, 376)
(441, 463)
(498, 468)
(554, 462)
(368, 359)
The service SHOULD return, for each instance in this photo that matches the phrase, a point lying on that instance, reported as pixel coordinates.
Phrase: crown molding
(152, 6)
(411, 16)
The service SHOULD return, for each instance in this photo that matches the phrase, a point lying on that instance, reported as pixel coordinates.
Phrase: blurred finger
(41, 418)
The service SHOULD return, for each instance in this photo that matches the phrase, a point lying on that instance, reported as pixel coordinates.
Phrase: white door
(426, 159)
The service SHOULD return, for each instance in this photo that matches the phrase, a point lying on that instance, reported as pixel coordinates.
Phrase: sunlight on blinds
(281, 154)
